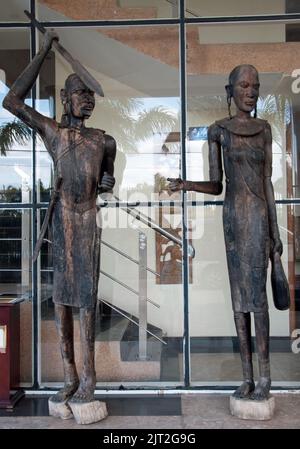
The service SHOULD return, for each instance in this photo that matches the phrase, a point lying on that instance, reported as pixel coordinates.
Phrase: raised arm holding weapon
(84, 163)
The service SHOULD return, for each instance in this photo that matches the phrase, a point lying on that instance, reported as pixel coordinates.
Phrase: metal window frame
(182, 21)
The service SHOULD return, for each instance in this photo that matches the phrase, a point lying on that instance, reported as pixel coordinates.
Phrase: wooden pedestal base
(88, 412)
(13, 399)
(84, 413)
(59, 409)
(249, 409)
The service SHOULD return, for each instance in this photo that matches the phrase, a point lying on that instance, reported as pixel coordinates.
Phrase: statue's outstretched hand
(107, 182)
(176, 184)
(50, 36)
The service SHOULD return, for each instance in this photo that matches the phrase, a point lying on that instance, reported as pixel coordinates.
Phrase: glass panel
(106, 9)
(209, 62)
(13, 11)
(164, 257)
(219, 8)
(15, 159)
(214, 348)
(141, 111)
(15, 277)
(46, 105)
(117, 338)
(214, 351)
(141, 107)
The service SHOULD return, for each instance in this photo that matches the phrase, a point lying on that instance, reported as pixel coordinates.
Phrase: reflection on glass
(15, 138)
(106, 9)
(117, 333)
(142, 128)
(13, 11)
(214, 348)
(219, 8)
(15, 275)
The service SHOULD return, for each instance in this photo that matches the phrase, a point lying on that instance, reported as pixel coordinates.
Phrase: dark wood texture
(10, 358)
(244, 144)
(84, 163)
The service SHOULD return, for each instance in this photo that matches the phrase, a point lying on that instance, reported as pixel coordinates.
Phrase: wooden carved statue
(249, 218)
(84, 165)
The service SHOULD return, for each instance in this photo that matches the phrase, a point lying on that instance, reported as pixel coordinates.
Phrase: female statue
(249, 217)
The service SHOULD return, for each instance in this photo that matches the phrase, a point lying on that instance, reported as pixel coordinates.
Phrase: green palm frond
(130, 123)
(156, 120)
(122, 106)
(13, 132)
(275, 109)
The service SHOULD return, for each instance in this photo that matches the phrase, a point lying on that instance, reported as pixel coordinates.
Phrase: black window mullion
(186, 335)
(35, 314)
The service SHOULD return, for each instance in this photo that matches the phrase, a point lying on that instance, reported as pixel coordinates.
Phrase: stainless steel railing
(113, 248)
(140, 216)
(174, 4)
(143, 269)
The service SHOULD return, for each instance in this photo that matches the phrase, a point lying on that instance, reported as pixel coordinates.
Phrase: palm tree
(10, 194)
(131, 123)
(11, 132)
(275, 109)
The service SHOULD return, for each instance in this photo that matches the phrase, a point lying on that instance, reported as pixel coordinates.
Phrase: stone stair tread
(129, 345)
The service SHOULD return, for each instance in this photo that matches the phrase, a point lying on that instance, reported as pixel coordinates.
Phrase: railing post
(175, 11)
(142, 296)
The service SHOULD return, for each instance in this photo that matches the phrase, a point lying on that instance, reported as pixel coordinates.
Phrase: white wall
(241, 34)
(235, 7)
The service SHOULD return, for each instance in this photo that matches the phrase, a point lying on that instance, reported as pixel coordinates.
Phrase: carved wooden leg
(262, 326)
(85, 392)
(58, 406)
(64, 326)
(84, 408)
(243, 328)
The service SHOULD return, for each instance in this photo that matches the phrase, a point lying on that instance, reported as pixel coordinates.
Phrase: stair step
(129, 344)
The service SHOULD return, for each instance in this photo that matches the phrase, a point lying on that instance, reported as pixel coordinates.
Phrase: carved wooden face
(246, 89)
(82, 102)
(77, 98)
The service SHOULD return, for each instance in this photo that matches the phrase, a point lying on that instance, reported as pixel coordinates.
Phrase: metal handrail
(127, 287)
(127, 257)
(130, 319)
(138, 215)
(175, 3)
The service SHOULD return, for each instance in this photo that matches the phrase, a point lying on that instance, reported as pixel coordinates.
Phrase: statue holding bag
(249, 220)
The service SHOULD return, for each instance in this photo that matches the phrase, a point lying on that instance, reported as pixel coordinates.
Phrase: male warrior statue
(84, 165)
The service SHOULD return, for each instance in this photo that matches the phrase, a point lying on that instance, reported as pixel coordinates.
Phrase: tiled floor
(285, 367)
(186, 411)
(116, 406)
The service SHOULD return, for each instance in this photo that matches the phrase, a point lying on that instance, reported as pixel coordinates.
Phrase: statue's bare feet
(244, 390)
(262, 389)
(66, 392)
